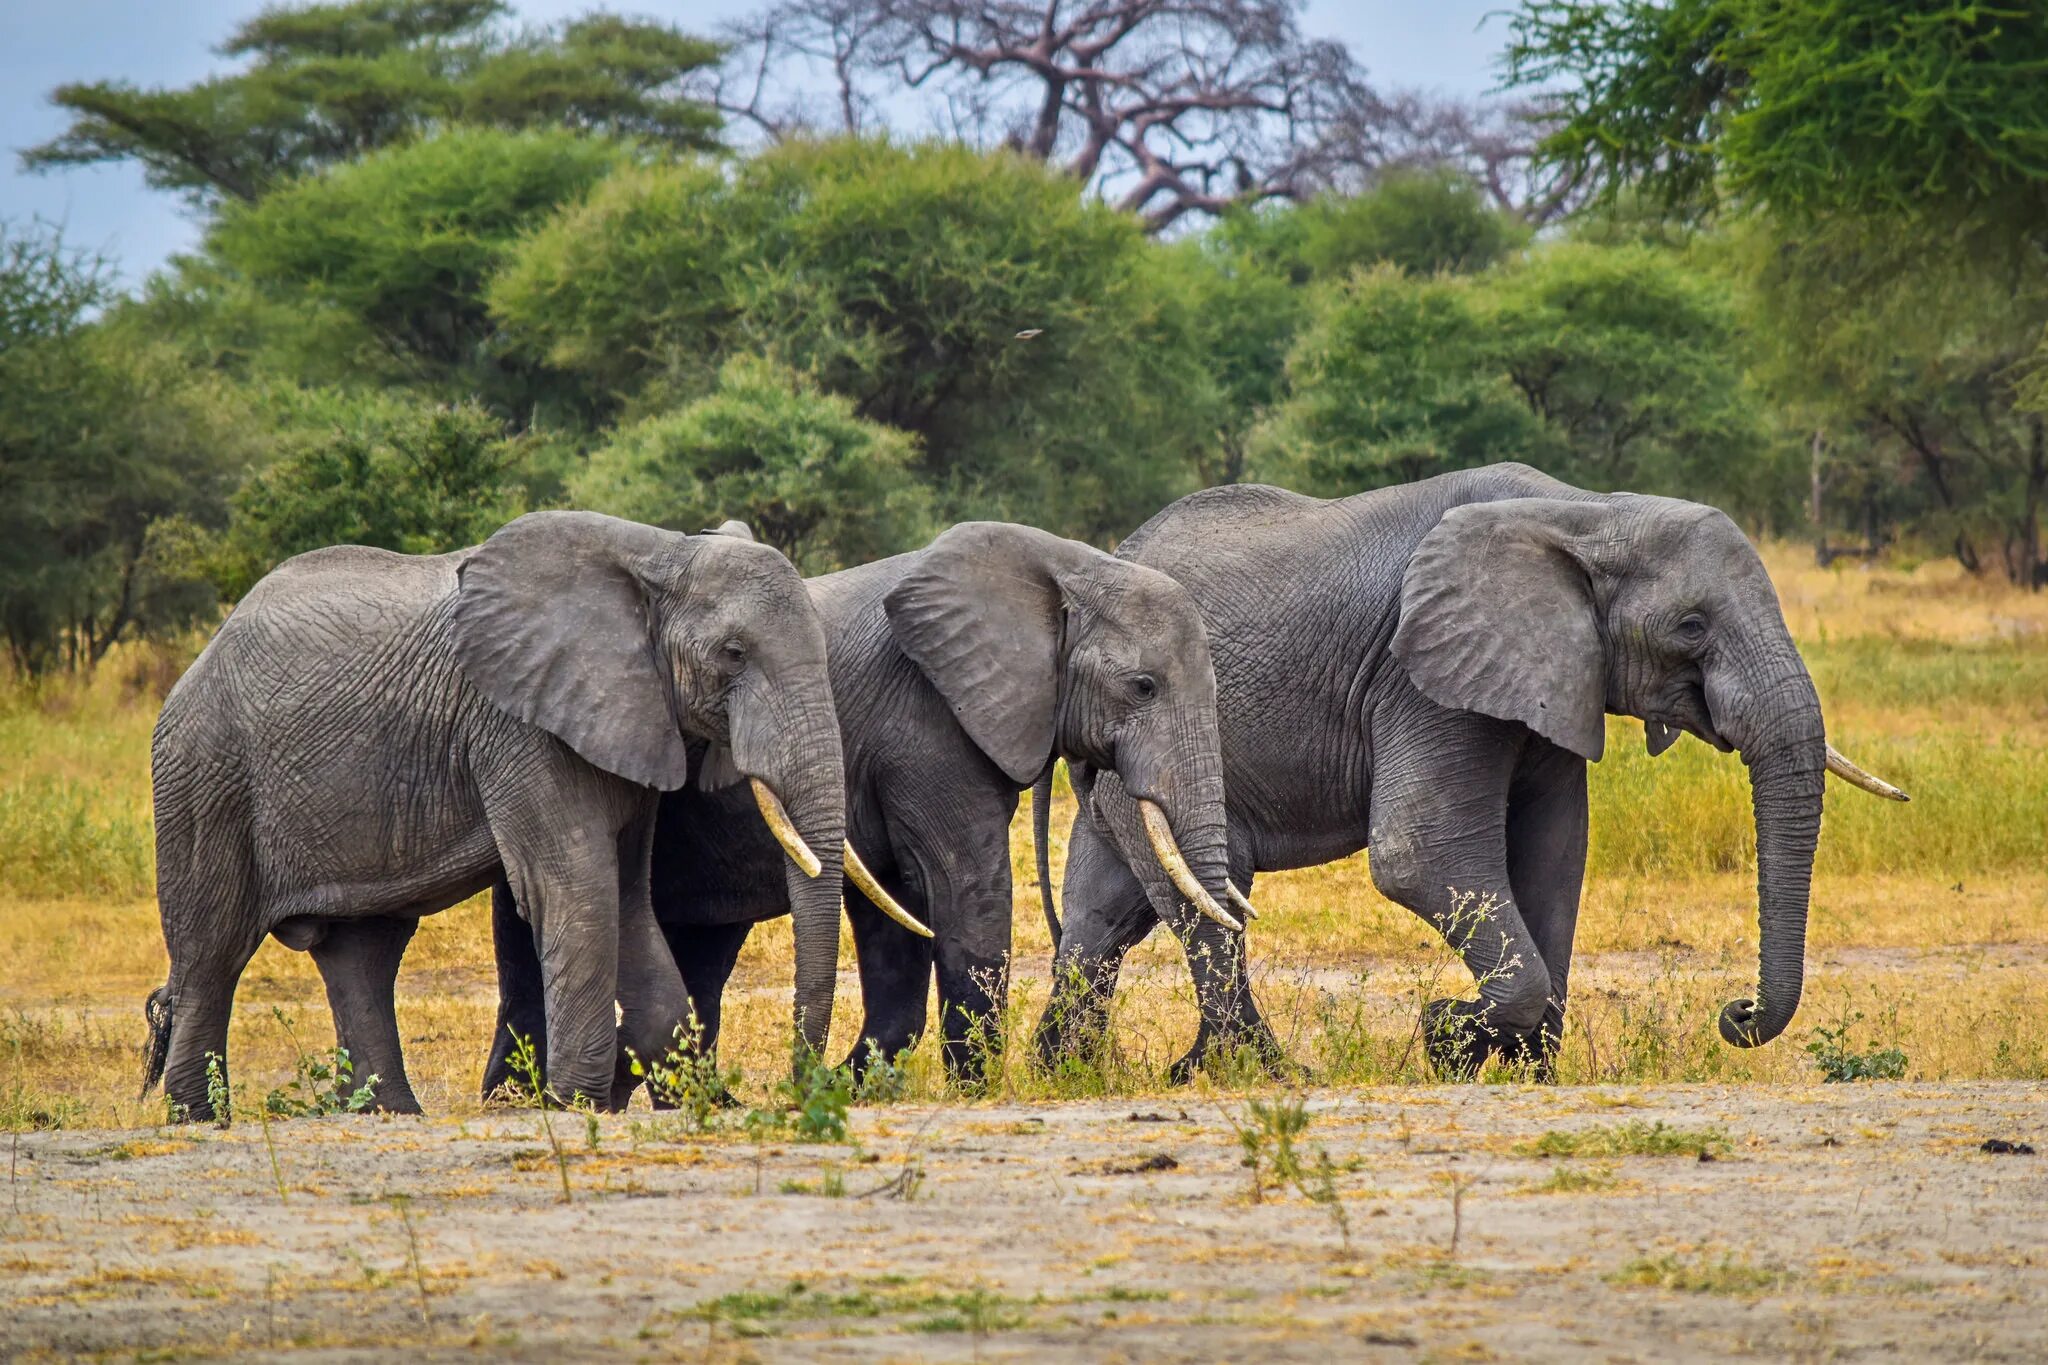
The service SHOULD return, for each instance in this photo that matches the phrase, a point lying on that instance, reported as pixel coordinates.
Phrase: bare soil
(1859, 1222)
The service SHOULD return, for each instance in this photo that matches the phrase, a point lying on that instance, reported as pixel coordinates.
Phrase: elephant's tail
(1041, 831)
(157, 1010)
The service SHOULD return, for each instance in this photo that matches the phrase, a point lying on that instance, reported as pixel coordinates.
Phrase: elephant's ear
(1497, 616)
(733, 527)
(552, 625)
(981, 616)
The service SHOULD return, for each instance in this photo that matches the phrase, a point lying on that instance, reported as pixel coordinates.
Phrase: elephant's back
(320, 630)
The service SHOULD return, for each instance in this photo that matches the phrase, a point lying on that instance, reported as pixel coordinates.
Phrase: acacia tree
(1165, 107)
(1895, 153)
(327, 83)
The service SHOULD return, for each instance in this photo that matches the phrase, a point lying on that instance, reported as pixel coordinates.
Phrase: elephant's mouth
(1685, 712)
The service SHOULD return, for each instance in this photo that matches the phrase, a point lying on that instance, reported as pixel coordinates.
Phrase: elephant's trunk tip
(1742, 1027)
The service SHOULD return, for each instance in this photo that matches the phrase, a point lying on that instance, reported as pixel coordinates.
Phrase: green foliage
(394, 251)
(1608, 366)
(901, 279)
(815, 1101)
(1395, 379)
(1422, 222)
(1832, 1053)
(328, 83)
(687, 1077)
(1858, 107)
(105, 437)
(322, 1083)
(412, 477)
(1631, 357)
(811, 478)
(218, 1097)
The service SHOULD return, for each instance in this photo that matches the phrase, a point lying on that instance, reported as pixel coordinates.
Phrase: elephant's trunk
(789, 743)
(1787, 759)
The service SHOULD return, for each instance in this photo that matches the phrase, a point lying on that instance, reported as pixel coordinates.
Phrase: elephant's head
(1047, 648)
(1553, 612)
(625, 642)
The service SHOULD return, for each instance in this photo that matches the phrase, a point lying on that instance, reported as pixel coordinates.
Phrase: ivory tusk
(1168, 852)
(1856, 777)
(1240, 900)
(785, 833)
(857, 872)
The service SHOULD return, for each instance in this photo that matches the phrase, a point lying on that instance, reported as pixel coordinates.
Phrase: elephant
(1425, 671)
(372, 737)
(961, 671)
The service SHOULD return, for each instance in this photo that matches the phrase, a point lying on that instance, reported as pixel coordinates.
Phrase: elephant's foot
(1455, 1040)
(1252, 1039)
(1535, 1052)
(394, 1099)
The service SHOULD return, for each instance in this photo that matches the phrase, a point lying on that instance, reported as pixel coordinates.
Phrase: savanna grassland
(1384, 1211)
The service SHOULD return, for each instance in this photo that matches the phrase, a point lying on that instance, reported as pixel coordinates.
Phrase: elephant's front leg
(654, 1006)
(1547, 869)
(566, 879)
(358, 961)
(895, 970)
(1439, 847)
(1105, 913)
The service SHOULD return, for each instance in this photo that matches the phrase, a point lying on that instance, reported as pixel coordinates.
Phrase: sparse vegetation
(1633, 1138)
(1699, 1275)
(1838, 1061)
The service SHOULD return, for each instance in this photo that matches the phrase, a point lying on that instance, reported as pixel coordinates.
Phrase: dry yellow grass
(1928, 919)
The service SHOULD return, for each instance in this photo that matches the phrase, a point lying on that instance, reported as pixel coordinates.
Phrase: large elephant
(961, 671)
(1425, 671)
(372, 737)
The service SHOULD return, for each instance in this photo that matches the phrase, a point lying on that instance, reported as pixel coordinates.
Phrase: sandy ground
(1838, 1222)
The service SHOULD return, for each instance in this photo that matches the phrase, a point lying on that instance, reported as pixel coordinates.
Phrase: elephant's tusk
(785, 833)
(1168, 852)
(857, 872)
(1856, 777)
(1240, 900)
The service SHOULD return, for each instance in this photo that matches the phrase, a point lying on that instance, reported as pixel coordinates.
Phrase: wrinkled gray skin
(372, 737)
(1424, 671)
(961, 671)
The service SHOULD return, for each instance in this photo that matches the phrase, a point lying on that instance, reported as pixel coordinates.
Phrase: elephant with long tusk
(961, 672)
(373, 737)
(1425, 671)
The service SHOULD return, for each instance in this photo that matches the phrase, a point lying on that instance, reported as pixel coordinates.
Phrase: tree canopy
(327, 83)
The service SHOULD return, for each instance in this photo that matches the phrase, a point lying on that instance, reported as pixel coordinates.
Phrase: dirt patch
(1862, 1221)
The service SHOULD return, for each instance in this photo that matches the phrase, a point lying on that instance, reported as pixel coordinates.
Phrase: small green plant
(831, 1184)
(525, 1064)
(322, 1082)
(688, 1077)
(1266, 1133)
(217, 1097)
(815, 1101)
(882, 1081)
(1831, 1052)
(1634, 1138)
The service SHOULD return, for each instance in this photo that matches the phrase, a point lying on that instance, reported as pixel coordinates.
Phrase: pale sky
(1446, 46)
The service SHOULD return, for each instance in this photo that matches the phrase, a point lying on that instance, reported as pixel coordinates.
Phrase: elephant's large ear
(981, 616)
(1497, 616)
(552, 625)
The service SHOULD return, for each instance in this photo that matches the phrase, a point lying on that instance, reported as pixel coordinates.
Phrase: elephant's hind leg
(358, 961)
(200, 997)
(522, 1011)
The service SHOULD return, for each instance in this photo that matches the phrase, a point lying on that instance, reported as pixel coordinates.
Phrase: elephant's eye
(734, 653)
(1692, 627)
(1144, 687)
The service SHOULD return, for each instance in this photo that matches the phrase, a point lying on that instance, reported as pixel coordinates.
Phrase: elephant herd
(645, 743)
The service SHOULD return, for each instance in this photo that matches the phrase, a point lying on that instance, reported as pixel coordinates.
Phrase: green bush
(809, 476)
